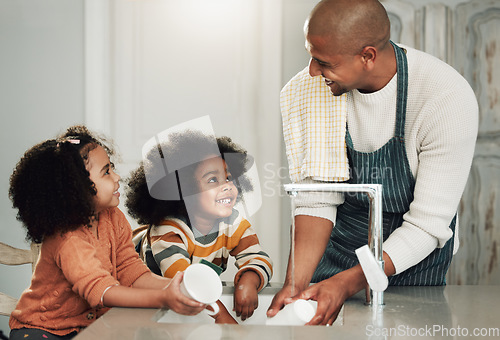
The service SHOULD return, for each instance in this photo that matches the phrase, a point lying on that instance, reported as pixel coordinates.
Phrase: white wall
(41, 93)
(168, 62)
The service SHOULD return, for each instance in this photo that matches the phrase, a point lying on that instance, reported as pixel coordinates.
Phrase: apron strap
(402, 72)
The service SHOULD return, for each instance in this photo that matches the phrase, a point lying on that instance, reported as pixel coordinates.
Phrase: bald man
(412, 124)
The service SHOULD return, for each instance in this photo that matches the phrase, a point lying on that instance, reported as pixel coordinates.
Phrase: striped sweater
(172, 246)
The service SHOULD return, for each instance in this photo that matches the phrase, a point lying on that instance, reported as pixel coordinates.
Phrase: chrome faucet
(375, 236)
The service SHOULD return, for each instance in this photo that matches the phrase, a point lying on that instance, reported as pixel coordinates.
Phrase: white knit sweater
(440, 135)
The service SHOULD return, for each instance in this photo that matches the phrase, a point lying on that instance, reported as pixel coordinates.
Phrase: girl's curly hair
(147, 207)
(50, 185)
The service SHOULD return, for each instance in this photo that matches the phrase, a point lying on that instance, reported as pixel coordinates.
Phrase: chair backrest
(14, 256)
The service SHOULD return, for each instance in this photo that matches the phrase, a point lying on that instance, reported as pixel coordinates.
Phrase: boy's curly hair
(146, 208)
(50, 185)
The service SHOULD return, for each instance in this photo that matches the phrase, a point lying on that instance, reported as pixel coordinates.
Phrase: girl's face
(105, 179)
(217, 195)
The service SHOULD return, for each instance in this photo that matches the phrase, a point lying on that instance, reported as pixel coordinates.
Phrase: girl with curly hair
(189, 214)
(66, 193)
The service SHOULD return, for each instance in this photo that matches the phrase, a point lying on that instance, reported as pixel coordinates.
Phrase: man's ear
(368, 56)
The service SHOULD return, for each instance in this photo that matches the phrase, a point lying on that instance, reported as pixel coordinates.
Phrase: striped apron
(388, 166)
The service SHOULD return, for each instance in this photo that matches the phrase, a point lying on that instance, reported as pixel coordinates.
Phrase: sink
(258, 318)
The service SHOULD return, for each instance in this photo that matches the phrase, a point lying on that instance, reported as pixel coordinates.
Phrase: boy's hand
(246, 298)
(178, 302)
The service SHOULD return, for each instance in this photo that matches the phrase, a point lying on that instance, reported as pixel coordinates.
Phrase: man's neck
(384, 71)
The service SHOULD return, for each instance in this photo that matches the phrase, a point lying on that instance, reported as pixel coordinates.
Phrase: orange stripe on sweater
(174, 224)
(221, 241)
(138, 230)
(258, 259)
(168, 237)
(178, 266)
(233, 240)
(263, 259)
(202, 251)
(245, 243)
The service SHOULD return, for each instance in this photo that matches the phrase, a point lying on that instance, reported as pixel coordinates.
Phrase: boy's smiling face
(217, 192)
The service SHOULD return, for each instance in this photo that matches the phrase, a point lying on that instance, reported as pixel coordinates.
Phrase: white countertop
(409, 312)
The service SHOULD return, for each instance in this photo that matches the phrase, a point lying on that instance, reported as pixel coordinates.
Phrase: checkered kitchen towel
(314, 126)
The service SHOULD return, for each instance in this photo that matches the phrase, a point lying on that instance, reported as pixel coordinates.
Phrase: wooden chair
(14, 256)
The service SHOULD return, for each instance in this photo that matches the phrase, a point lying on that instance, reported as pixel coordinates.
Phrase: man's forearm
(311, 238)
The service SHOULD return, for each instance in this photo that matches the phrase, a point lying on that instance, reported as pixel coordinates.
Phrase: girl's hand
(174, 299)
(223, 316)
(246, 298)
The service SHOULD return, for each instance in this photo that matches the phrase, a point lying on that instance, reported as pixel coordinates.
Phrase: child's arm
(148, 289)
(255, 270)
(77, 260)
(127, 257)
(249, 255)
(178, 258)
(171, 239)
(246, 298)
(151, 281)
(168, 297)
